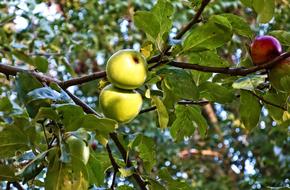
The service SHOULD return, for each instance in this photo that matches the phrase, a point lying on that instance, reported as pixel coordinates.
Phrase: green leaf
(250, 109)
(71, 116)
(275, 113)
(155, 185)
(171, 183)
(34, 167)
(249, 82)
(97, 166)
(46, 113)
(55, 177)
(163, 117)
(147, 151)
(34, 106)
(285, 83)
(265, 10)
(147, 22)
(13, 139)
(282, 35)
(213, 34)
(126, 172)
(5, 105)
(240, 26)
(155, 23)
(188, 118)
(247, 3)
(6, 19)
(40, 63)
(125, 187)
(23, 57)
(46, 93)
(163, 10)
(7, 173)
(101, 125)
(24, 84)
(60, 177)
(216, 93)
(180, 83)
(205, 58)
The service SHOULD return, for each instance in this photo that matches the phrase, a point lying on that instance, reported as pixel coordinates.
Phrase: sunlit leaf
(163, 117)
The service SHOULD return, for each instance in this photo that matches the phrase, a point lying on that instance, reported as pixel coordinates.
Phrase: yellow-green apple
(127, 69)
(78, 148)
(264, 49)
(279, 75)
(120, 104)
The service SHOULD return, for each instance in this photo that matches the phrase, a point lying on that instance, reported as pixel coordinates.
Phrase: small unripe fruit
(9, 28)
(264, 49)
(278, 72)
(78, 149)
(119, 104)
(127, 69)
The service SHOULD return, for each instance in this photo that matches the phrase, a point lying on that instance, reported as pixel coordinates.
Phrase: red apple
(264, 49)
(279, 76)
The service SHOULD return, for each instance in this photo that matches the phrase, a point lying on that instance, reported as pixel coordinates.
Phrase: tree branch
(79, 102)
(231, 71)
(12, 70)
(183, 102)
(81, 80)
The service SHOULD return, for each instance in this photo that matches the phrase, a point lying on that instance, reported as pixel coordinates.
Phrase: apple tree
(137, 94)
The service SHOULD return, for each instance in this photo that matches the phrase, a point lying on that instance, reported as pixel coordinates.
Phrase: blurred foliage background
(75, 37)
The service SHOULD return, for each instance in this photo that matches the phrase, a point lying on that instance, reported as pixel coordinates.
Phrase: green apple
(279, 76)
(78, 149)
(120, 104)
(127, 69)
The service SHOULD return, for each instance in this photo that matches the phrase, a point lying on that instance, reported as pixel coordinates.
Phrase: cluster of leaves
(36, 118)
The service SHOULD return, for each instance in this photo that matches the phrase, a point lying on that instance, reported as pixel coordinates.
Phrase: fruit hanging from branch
(279, 76)
(264, 49)
(78, 149)
(120, 104)
(127, 69)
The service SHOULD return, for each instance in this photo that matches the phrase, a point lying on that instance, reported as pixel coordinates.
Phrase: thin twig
(179, 35)
(8, 185)
(114, 164)
(79, 102)
(45, 54)
(267, 102)
(194, 20)
(17, 185)
(113, 180)
(148, 110)
(128, 162)
(44, 132)
(183, 102)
